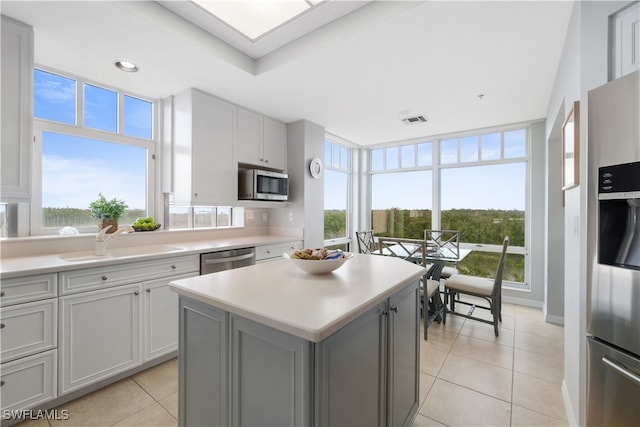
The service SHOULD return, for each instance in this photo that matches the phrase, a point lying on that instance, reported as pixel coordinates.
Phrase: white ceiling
(358, 75)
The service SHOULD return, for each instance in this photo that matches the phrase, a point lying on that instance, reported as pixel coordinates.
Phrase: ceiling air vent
(413, 120)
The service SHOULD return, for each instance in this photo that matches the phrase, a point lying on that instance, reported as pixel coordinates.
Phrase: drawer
(88, 279)
(276, 250)
(28, 328)
(29, 382)
(29, 288)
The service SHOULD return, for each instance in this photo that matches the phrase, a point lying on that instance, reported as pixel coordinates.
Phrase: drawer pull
(149, 290)
(1, 383)
(2, 325)
(104, 277)
(268, 251)
(173, 267)
(2, 294)
(136, 293)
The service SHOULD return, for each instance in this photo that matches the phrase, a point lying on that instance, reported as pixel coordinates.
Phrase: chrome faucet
(102, 239)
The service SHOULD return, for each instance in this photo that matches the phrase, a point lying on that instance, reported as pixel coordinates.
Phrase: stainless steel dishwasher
(212, 262)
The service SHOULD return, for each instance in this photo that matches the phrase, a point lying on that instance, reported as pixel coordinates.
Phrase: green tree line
(62, 217)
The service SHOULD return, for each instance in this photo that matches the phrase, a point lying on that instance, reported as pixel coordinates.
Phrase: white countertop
(312, 307)
(41, 264)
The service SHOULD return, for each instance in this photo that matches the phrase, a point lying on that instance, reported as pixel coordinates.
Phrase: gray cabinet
(204, 374)
(372, 363)
(367, 373)
(17, 101)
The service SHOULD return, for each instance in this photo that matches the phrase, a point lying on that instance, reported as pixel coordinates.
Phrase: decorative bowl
(140, 229)
(318, 266)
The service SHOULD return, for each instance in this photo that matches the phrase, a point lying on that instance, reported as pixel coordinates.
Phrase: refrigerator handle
(621, 369)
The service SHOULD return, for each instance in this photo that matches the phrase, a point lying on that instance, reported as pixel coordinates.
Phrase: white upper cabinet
(262, 141)
(626, 41)
(17, 101)
(204, 169)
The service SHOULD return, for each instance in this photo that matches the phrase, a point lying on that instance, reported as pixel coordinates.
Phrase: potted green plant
(108, 212)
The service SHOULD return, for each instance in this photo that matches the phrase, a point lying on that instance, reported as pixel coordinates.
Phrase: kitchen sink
(118, 253)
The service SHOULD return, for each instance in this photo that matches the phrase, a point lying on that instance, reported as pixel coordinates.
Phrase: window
(480, 189)
(336, 194)
(89, 139)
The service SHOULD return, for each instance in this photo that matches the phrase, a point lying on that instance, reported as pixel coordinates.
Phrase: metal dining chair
(481, 287)
(366, 242)
(415, 250)
(447, 242)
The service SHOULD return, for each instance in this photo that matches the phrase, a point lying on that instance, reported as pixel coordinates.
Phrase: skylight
(255, 18)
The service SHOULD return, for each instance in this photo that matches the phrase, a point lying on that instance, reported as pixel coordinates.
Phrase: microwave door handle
(621, 369)
(228, 259)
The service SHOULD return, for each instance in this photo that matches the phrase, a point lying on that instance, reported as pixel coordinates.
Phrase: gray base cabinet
(234, 371)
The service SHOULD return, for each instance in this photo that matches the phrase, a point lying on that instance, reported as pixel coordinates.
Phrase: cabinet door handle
(394, 308)
(104, 277)
(1, 293)
(173, 267)
(2, 325)
(136, 293)
(149, 290)
(1, 383)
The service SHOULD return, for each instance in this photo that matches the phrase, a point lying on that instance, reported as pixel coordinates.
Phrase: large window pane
(100, 108)
(472, 205)
(344, 158)
(336, 156)
(54, 97)
(335, 204)
(401, 203)
(138, 117)
(75, 170)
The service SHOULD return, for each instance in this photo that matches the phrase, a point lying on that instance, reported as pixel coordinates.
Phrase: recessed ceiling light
(127, 66)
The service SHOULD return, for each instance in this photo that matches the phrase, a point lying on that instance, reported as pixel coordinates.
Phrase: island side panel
(203, 368)
(404, 357)
(351, 373)
(270, 376)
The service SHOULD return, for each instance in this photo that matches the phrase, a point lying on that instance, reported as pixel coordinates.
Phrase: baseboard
(568, 407)
(557, 320)
(521, 301)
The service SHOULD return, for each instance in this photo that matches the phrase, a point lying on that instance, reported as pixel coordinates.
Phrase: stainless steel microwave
(259, 184)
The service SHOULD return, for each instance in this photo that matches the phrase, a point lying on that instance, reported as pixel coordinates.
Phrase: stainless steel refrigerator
(613, 251)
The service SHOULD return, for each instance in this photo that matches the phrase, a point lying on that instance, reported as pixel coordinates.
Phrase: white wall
(583, 66)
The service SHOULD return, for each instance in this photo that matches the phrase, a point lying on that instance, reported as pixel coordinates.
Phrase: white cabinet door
(28, 328)
(17, 77)
(262, 141)
(99, 335)
(275, 144)
(250, 138)
(29, 382)
(205, 169)
(161, 317)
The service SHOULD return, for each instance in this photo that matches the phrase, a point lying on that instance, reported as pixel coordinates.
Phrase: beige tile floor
(468, 378)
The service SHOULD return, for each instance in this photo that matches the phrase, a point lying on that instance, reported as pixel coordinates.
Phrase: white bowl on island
(318, 266)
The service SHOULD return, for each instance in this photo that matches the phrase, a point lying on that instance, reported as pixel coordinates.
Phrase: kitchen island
(271, 345)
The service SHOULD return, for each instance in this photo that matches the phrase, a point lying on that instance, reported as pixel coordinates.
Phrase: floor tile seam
(430, 416)
(476, 391)
(560, 358)
(133, 413)
(558, 383)
(157, 400)
(493, 365)
(538, 335)
(539, 413)
(490, 342)
(513, 375)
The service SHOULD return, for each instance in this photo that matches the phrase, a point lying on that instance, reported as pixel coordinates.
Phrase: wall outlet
(291, 216)
(250, 216)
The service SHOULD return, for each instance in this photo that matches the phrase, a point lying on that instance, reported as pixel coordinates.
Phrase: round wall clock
(315, 167)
